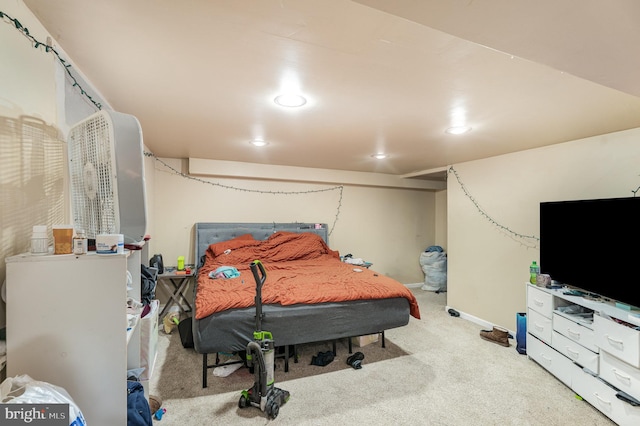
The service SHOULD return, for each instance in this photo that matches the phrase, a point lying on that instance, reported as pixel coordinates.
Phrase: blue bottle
(521, 333)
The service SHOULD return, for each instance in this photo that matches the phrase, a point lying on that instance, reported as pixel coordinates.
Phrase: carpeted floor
(442, 373)
(181, 373)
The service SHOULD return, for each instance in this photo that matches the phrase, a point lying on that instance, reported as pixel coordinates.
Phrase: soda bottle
(534, 270)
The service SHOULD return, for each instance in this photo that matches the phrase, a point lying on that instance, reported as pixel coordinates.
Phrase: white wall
(28, 120)
(389, 227)
(488, 256)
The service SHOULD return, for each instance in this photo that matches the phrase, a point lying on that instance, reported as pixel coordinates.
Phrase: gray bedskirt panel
(231, 330)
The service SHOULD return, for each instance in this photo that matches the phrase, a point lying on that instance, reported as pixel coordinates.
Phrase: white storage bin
(540, 326)
(557, 364)
(575, 352)
(540, 301)
(620, 374)
(581, 334)
(618, 340)
(149, 340)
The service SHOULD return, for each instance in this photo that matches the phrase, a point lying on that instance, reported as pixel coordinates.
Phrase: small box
(109, 243)
(361, 341)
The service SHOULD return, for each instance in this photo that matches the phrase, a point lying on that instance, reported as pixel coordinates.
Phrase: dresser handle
(621, 376)
(574, 333)
(538, 302)
(538, 326)
(614, 341)
(545, 358)
(601, 400)
(573, 353)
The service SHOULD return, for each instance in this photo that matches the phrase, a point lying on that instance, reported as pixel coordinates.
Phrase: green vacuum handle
(258, 269)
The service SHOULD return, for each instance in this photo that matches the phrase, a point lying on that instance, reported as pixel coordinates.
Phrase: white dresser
(591, 346)
(67, 325)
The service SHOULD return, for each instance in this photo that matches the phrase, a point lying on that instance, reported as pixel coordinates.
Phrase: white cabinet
(589, 346)
(67, 325)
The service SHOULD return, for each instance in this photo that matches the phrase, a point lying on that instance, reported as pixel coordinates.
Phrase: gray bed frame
(230, 331)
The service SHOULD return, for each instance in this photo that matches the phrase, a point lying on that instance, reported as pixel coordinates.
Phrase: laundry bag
(434, 265)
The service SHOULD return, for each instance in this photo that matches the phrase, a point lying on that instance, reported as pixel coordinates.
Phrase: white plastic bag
(24, 390)
(434, 266)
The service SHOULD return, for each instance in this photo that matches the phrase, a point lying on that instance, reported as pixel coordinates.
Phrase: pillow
(244, 240)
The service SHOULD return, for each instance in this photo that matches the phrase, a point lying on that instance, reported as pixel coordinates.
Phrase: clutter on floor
(497, 335)
(155, 406)
(355, 360)
(171, 320)
(322, 358)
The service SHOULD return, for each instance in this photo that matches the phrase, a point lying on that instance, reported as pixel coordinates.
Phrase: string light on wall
(529, 241)
(49, 49)
(338, 188)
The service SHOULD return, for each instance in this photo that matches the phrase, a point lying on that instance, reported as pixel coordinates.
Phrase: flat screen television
(593, 245)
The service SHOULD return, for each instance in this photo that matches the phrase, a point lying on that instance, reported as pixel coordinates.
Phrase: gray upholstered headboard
(207, 233)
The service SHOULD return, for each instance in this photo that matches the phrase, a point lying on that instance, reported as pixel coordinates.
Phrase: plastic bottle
(80, 242)
(39, 240)
(534, 270)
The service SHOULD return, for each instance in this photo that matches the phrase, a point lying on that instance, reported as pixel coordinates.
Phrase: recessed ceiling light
(290, 100)
(380, 156)
(458, 130)
(258, 142)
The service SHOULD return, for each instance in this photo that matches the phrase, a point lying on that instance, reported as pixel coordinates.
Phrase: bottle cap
(39, 231)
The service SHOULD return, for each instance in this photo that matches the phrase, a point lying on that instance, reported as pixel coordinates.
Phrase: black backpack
(148, 279)
(156, 262)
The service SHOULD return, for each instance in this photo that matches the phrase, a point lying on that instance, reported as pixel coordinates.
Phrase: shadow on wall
(32, 179)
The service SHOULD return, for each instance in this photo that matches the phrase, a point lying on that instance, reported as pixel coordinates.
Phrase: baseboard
(414, 285)
(486, 325)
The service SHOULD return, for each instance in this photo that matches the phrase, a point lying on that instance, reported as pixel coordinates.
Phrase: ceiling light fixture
(258, 142)
(458, 130)
(380, 156)
(290, 100)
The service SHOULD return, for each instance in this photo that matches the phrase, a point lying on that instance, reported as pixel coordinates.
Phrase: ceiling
(378, 75)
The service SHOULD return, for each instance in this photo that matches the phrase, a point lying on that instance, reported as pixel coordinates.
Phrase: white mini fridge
(68, 325)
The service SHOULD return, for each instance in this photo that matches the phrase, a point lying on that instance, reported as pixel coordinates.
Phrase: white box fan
(106, 169)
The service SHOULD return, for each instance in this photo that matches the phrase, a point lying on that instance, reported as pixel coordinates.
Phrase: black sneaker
(355, 360)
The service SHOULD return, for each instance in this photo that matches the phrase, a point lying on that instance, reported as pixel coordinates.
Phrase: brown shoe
(498, 335)
(155, 402)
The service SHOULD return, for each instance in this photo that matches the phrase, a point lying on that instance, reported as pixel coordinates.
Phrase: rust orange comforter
(301, 269)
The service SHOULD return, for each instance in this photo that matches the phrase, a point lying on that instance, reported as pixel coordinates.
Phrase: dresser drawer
(603, 397)
(578, 333)
(619, 340)
(554, 362)
(540, 301)
(539, 325)
(575, 352)
(620, 374)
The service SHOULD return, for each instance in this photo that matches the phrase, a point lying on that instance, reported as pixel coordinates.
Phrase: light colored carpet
(441, 373)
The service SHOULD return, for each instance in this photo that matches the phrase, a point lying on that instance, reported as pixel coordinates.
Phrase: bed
(309, 295)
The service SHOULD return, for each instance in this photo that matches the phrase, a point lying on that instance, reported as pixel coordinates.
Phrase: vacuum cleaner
(261, 356)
